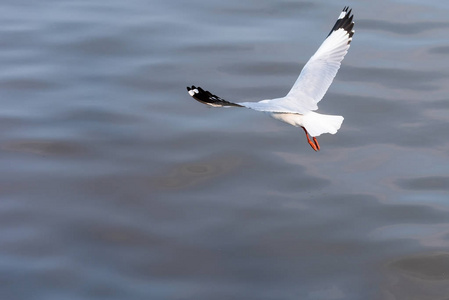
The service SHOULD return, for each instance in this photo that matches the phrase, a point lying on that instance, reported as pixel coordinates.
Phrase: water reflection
(394, 78)
(42, 147)
(430, 183)
(422, 276)
(191, 174)
(424, 266)
(400, 27)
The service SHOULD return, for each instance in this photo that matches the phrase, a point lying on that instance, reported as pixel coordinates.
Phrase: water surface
(115, 184)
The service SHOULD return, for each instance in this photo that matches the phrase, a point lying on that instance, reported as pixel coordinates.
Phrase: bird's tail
(317, 124)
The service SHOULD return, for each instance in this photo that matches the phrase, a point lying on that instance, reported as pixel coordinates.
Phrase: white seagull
(297, 107)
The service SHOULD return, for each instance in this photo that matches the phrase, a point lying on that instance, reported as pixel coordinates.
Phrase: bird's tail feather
(317, 124)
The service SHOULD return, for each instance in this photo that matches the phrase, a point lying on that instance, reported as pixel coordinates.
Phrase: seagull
(298, 106)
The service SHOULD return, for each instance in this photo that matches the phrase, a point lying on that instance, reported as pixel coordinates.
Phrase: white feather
(314, 79)
(315, 123)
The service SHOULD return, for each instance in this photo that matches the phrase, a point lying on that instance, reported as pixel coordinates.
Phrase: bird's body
(297, 107)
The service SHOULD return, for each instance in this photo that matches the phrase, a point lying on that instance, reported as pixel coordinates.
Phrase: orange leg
(316, 143)
(312, 144)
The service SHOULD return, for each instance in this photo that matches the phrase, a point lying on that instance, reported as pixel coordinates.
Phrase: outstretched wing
(319, 72)
(208, 98)
(313, 82)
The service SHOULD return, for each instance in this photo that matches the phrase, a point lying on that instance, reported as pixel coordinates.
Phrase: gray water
(115, 184)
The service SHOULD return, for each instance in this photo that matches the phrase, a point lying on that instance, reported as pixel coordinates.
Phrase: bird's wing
(208, 98)
(313, 82)
(319, 72)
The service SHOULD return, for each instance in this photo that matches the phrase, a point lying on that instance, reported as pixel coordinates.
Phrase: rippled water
(115, 184)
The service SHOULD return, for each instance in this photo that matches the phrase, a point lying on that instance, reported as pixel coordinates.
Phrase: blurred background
(115, 184)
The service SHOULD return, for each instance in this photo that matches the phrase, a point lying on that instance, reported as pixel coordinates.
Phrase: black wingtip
(208, 98)
(345, 22)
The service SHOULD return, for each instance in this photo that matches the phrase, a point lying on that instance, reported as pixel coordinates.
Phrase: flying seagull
(297, 107)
